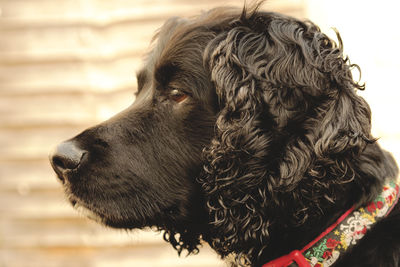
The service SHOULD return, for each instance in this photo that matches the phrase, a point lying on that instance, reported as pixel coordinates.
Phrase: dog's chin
(114, 220)
(84, 211)
(93, 214)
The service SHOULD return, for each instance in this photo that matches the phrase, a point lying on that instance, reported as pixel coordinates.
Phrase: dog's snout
(67, 156)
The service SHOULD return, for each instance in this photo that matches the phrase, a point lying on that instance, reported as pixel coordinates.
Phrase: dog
(246, 133)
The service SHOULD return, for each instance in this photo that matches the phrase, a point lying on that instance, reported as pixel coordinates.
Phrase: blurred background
(68, 64)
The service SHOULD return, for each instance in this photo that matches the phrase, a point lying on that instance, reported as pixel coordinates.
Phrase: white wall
(371, 37)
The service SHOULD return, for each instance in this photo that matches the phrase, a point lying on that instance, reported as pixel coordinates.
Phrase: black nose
(67, 156)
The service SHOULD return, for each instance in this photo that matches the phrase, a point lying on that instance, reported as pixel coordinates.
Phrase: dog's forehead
(163, 37)
(159, 42)
(179, 45)
(178, 35)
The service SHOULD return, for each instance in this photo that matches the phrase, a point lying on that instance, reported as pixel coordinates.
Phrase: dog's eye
(177, 95)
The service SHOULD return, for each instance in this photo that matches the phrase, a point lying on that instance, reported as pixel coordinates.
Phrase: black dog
(246, 133)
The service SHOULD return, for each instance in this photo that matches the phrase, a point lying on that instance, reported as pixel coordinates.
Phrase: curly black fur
(292, 137)
(265, 146)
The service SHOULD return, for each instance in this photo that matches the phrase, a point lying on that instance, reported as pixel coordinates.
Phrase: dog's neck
(344, 233)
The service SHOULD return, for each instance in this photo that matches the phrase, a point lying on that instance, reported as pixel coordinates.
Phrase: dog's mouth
(89, 213)
(115, 220)
(101, 216)
(86, 211)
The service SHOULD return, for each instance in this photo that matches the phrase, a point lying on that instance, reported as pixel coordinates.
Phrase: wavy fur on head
(247, 133)
(292, 137)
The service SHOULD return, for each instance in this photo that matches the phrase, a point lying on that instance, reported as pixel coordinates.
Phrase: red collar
(343, 234)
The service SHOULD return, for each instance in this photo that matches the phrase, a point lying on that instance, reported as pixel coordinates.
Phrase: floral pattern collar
(344, 233)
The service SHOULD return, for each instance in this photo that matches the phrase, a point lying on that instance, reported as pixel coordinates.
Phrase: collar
(344, 233)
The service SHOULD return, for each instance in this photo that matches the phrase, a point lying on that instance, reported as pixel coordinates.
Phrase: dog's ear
(235, 170)
(287, 105)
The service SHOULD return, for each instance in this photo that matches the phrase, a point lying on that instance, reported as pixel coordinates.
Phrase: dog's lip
(86, 211)
(93, 214)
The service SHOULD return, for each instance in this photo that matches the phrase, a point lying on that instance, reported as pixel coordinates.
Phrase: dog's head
(244, 122)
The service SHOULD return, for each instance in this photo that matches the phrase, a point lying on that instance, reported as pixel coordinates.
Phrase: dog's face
(139, 168)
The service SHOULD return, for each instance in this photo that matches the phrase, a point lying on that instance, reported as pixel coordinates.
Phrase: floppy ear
(236, 168)
(287, 107)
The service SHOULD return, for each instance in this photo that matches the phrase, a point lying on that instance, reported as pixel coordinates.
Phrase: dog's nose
(67, 156)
